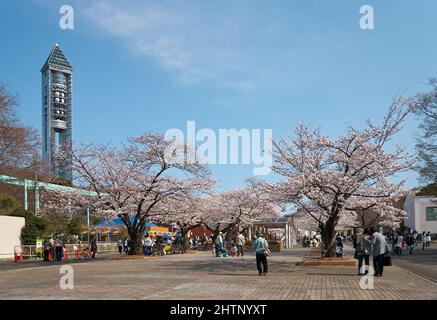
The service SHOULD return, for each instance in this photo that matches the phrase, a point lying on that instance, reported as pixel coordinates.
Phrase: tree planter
(310, 261)
(274, 246)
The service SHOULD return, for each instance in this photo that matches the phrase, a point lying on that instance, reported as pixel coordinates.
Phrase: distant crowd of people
(55, 249)
(149, 244)
(152, 245)
(409, 241)
(372, 243)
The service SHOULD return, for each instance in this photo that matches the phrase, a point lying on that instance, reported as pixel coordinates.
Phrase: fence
(70, 251)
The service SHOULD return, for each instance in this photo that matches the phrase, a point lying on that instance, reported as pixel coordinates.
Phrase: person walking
(94, 247)
(423, 240)
(126, 245)
(428, 239)
(379, 249)
(398, 245)
(148, 243)
(219, 245)
(363, 249)
(120, 245)
(241, 241)
(410, 243)
(261, 248)
(58, 249)
(415, 238)
(47, 247)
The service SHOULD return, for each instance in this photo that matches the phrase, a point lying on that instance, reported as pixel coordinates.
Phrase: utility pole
(36, 194)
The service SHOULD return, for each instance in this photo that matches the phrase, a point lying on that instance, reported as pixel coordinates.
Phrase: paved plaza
(423, 262)
(203, 276)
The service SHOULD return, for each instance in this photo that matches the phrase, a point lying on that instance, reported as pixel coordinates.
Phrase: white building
(10, 230)
(421, 213)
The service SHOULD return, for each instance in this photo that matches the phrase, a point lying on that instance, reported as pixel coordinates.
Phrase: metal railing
(69, 251)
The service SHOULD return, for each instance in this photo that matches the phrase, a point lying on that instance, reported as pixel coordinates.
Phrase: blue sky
(152, 65)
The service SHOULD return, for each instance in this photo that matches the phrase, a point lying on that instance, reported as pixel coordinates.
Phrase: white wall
(10, 229)
(416, 209)
(409, 207)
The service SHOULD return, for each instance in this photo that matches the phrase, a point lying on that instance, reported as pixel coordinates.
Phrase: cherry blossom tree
(425, 106)
(239, 208)
(19, 145)
(60, 206)
(359, 219)
(193, 210)
(330, 179)
(135, 179)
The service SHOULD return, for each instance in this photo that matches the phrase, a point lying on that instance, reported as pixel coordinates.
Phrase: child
(234, 250)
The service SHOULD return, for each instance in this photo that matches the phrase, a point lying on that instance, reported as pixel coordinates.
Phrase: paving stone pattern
(203, 276)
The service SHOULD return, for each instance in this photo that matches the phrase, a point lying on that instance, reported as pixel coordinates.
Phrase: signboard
(38, 243)
(431, 214)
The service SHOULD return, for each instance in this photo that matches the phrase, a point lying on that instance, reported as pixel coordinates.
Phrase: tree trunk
(327, 231)
(136, 238)
(230, 232)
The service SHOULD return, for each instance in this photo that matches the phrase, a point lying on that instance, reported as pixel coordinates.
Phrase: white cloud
(204, 42)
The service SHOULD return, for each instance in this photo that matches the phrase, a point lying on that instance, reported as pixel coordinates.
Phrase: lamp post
(25, 194)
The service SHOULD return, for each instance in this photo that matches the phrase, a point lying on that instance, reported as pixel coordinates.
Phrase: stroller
(220, 251)
(224, 252)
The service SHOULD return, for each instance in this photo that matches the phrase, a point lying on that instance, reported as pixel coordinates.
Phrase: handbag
(386, 261)
(267, 252)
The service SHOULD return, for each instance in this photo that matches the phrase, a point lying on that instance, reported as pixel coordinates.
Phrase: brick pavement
(202, 276)
(423, 262)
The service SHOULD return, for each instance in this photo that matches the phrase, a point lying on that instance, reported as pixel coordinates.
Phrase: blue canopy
(118, 222)
(150, 224)
(106, 223)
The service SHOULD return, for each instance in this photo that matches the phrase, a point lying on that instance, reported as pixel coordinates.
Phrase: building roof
(57, 59)
(275, 222)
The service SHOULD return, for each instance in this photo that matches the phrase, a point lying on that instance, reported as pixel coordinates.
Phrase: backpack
(361, 249)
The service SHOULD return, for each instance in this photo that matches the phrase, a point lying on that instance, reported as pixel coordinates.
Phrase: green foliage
(74, 226)
(35, 227)
(429, 190)
(95, 220)
(402, 228)
(62, 182)
(8, 204)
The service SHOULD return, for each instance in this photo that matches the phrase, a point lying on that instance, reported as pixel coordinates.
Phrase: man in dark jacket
(58, 249)
(47, 247)
(94, 247)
